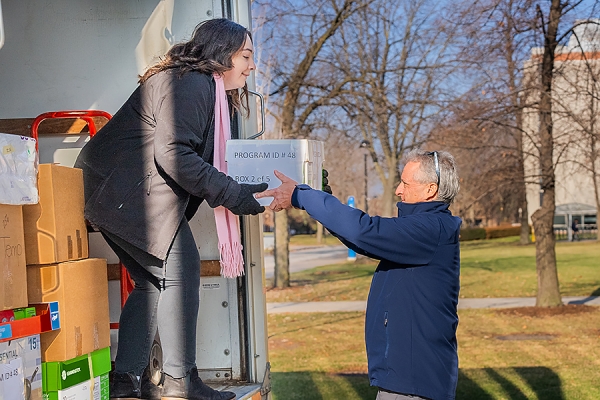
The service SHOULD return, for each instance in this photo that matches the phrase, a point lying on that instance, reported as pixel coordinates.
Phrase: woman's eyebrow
(250, 50)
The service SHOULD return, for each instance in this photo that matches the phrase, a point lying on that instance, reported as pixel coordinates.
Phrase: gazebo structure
(586, 216)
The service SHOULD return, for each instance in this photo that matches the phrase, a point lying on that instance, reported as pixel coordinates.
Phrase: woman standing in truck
(145, 174)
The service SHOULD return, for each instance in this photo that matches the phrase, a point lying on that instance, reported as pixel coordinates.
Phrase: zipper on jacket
(149, 182)
(137, 185)
(387, 339)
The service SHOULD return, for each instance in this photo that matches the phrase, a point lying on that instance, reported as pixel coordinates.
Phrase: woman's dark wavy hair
(210, 50)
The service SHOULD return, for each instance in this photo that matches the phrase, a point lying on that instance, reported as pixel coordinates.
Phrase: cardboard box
(253, 161)
(74, 380)
(7, 315)
(13, 284)
(55, 229)
(81, 290)
(47, 318)
(21, 367)
(25, 312)
(93, 389)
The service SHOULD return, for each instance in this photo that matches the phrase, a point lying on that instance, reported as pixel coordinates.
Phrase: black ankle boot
(149, 389)
(124, 387)
(191, 387)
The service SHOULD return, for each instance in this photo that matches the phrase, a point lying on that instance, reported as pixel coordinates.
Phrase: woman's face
(243, 64)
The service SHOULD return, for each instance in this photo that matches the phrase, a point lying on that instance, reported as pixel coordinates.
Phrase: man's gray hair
(448, 181)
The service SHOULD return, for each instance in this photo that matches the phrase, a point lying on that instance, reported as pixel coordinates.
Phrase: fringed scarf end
(232, 263)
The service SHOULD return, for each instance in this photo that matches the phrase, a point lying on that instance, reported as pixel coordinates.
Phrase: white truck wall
(86, 54)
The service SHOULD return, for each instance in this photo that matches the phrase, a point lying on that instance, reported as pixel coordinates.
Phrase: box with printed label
(24, 312)
(21, 369)
(81, 290)
(55, 229)
(253, 162)
(93, 389)
(82, 378)
(13, 286)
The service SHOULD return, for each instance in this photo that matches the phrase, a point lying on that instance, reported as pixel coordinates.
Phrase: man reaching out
(411, 318)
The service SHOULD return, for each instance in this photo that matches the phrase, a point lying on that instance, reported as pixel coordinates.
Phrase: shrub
(502, 231)
(472, 234)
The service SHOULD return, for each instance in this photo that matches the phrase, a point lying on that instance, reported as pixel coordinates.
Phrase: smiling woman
(145, 174)
(243, 65)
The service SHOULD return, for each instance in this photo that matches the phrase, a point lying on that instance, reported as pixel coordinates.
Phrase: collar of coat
(416, 208)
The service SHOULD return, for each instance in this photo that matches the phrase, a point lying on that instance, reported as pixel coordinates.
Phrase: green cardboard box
(79, 378)
(24, 312)
(93, 389)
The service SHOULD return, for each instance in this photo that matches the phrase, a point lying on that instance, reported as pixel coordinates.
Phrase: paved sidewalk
(341, 306)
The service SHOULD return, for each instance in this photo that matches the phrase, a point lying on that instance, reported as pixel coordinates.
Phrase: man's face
(411, 191)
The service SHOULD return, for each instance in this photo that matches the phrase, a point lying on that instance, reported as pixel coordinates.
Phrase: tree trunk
(281, 250)
(525, 234)
(319, 233)
(291, 126)
(548, 294)
(521, 185)
(594, 151)
(388, 208)
(595, 181)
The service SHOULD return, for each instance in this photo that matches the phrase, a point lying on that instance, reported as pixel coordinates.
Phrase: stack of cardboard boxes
(20, 363)
(45, 259)
(58, 269)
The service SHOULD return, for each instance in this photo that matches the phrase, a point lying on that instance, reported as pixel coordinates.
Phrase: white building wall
(575, 116)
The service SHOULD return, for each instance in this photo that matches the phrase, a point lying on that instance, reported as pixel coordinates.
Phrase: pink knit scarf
(228, 228)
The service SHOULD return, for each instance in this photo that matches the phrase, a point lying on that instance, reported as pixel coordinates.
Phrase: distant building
(576, 131)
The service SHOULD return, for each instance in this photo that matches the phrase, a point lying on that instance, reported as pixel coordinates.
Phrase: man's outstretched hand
(282, 195)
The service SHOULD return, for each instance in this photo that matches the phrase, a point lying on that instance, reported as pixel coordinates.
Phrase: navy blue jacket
(411, 319)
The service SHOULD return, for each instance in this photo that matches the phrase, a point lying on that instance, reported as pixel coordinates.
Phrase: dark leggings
(165, 297)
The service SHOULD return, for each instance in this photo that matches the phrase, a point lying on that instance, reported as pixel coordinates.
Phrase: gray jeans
(165, 297)
(383, 395)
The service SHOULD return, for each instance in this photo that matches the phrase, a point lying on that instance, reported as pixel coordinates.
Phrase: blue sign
(5, 331)
(54, 315)
(351, 253)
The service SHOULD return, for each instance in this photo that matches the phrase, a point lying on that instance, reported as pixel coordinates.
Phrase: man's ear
(432, 190)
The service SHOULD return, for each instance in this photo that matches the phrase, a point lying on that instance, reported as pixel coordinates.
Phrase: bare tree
(548, 293)
(549, 147)
(488, 168)
(527, 93)
(305, 29)
(495, 40)
(396, 56)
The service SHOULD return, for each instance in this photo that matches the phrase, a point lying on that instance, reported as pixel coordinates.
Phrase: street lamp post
(364, 145)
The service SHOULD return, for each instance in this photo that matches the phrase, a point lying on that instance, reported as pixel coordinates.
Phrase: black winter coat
(141, 169)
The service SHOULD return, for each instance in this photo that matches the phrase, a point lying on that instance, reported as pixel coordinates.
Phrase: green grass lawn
(322, 356)
(311, 240)
(504, 354)
(505, 269)
(489, 268)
